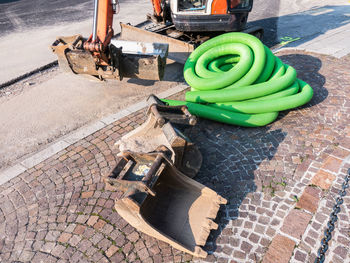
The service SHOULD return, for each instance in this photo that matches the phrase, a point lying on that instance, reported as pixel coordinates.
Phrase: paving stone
(85, 245)
(139, 245)
(132, 257)
(74, 240)
(341, 251)
(296, 223)
(309, 199)
(92, 220)
(340, 153)
(254, 238)
(323, 179)
(246, 247)
(43, 257)
(79, 229)
(64, 237)
(127, 248)
(239, 254)
(133, 237)
(280, 250)
(300, 256)
(99, 224)
(96, 238)
(111, 250)
(104, 244)
(310, 241)
(52, 235)
(87, 194)
(143, 254)
(26, 256)
(332, 164)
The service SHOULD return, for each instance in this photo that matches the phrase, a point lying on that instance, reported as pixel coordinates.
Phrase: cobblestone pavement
(280, 182)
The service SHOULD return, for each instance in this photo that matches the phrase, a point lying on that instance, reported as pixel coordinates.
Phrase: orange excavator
(177, 27)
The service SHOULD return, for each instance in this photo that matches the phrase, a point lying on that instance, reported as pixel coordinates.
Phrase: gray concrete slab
(11, 172)
(322, 28)
(60, 103)
(19, 15)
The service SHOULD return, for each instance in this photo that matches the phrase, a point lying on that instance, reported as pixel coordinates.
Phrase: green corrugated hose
(237, 80)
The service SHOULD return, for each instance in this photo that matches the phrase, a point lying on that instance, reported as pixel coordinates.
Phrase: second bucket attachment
(160, 132)
(164, 203)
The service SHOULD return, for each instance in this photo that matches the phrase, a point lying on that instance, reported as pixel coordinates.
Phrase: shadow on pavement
(308, 68)
(266, 15)
(7, 1)
(305, 25)
(231, 156)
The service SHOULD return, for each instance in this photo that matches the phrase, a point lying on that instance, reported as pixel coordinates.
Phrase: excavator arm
(157, 8)
(102, 31)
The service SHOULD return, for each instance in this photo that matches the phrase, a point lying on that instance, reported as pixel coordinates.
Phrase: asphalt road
(18, 15)
(265, 14)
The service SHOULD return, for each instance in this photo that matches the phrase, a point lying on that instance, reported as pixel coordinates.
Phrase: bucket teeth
(221, 200)
(210, 224)
(199, 252)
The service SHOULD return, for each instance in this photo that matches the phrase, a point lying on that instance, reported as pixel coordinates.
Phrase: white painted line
(77, 135)
(138, 106)
(44, 154)
(83, 132)
(11, 173)
(114, 117)
(172, 91)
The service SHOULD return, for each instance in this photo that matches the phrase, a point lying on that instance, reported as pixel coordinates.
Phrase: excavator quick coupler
(161, 132)
(164, 203)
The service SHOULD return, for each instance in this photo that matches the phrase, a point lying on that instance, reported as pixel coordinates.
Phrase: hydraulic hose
(237, 80)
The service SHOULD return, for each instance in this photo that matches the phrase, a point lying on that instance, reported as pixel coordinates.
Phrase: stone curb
(67, 140)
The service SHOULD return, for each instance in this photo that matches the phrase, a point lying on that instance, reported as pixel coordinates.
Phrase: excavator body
(210, 15)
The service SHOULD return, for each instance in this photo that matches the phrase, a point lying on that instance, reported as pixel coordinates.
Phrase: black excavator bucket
(128, 59)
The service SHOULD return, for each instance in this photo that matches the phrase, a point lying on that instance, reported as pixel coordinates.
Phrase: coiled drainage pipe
(237, 80)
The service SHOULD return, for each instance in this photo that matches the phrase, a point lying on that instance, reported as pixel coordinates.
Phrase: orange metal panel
(219, 7)
(157, 7)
